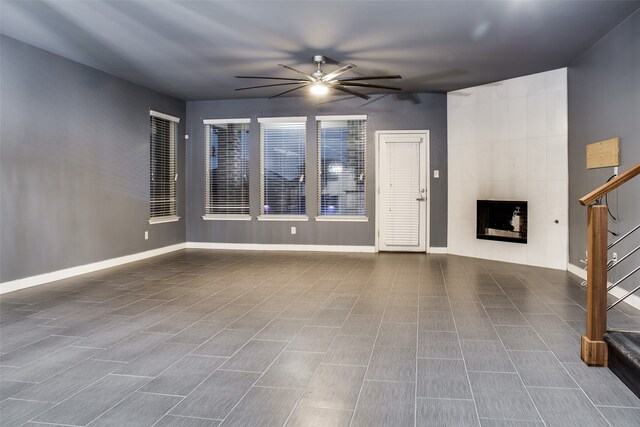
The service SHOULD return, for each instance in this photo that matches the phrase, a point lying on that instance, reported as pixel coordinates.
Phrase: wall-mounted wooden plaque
(603, 154)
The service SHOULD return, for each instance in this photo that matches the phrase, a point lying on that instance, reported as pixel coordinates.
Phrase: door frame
(425, 135)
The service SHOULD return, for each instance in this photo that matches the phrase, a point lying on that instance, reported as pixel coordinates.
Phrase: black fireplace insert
(503, 220)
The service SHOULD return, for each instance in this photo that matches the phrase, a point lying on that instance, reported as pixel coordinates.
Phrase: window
(163, 135)
(342, 167)
(227, 169)
(282, 167)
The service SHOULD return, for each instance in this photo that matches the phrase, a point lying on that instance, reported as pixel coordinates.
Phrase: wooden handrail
(611, 185)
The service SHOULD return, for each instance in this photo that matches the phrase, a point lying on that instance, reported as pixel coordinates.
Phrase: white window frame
(219, 217)
(173, 216)
(278, 217)
(339, 218)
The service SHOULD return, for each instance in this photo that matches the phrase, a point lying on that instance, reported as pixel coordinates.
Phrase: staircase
(619, 350)
(624, 357)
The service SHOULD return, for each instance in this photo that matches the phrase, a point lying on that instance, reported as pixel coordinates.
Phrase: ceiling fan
(319, 82)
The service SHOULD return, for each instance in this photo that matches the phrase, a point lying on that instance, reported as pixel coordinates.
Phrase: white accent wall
(508, 141)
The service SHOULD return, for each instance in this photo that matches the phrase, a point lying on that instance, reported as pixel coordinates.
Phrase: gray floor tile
(300, 310)
(181, 378)
(436, 321)
(176, 323)
(520, 338)
(564, 347)
(85, 406)
(217, 395)
(281, 329)
(268, 407)
(486, 356)
(65, 384)
(177, 421)
(291, 370)
(313, 338)
(255, 356)
(502, 396)
(546, 324)
(621, 417)
(438, 345)
(468, 310)
(358, 324)
(254, 320)
(333, 317)
(490, 300)
(506, 317)
(434, 304)
(602, 386)
(9, 388)
(152, 362)
(48, 366)
(566, 407)
(335, 387)
(443, 379)
(139, 409)
(541, 369)
(107, 337)
(531, 305)
(225, 343)
(341, 301)
(397, 335)
(15, 412)
(445, 412)
(37, 350)
(132, 347)
(486, 422)
(392, 364)
(385, 404)
(476, 329)
(304, 416)
(350, 350)
(198, 333)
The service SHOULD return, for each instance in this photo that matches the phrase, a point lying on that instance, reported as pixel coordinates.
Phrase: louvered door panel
(402, 188)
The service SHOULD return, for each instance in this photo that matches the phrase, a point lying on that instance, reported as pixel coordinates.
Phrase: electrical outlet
(615, 171)
(146, 235)
(615, 257)
(293, 230)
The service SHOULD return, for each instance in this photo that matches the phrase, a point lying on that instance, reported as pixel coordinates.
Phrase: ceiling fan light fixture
(319, 89)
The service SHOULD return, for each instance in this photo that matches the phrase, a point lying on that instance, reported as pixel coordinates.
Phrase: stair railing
(593, 349)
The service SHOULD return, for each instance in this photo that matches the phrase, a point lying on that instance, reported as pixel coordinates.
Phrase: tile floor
(206, 338)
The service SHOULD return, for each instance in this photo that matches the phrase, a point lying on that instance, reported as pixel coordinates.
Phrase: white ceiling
(193, 49)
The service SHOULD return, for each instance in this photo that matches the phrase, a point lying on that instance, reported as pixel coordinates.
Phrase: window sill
(163, 219)
(283, 218)
(338, 218)
(214, 217)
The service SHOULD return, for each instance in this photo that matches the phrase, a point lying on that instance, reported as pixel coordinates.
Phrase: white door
(402, 191)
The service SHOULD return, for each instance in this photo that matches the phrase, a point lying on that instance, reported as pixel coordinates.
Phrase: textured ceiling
(192, 49)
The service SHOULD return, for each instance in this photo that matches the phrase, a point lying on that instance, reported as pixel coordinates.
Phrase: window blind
(227, 167)
(342, 165)
(163, 130)
(282, 166)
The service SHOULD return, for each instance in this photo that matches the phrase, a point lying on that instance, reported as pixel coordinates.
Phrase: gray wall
(75, 164)
(384, 113)
(604, 102)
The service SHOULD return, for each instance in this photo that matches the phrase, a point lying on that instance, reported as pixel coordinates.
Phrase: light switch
(293, 230)
(436, 173)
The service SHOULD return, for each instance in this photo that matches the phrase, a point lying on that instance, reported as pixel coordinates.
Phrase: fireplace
(503, 220)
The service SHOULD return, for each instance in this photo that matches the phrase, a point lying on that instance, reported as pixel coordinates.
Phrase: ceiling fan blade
(332, 75)
(352, 92)
(307, 76)
(349, 79)
(367, 85)
(276, 84)
(290, 90)
(266, 78)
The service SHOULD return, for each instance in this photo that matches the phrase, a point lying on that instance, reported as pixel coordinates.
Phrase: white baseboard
(438, 250)
(632, 300)
(272, 247)
(40, 279)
